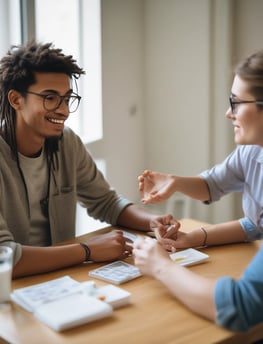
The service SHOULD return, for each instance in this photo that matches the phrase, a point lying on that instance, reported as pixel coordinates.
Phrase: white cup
(6, 264)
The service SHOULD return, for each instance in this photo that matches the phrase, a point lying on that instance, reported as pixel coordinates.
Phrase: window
(10, 32)
(74, 26)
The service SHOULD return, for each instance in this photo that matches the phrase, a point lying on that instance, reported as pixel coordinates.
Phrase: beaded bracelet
(205, 239)
(87, 251)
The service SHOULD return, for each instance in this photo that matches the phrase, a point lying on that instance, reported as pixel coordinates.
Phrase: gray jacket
(76, 178)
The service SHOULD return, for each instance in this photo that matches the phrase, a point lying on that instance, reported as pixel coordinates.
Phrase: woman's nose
(229, 113)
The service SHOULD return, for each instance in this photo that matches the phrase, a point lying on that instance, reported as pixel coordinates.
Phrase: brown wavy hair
(251, 71)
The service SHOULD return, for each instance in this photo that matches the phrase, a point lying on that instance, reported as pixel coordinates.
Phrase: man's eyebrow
(56, 92)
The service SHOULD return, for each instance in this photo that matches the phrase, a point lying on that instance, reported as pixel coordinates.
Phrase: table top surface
(153, 316)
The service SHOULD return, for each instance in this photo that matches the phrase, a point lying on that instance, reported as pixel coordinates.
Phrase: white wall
(248, 27)
(122, 146)
(158, 57)
(177, 86)
(172, 60)
(175, 94)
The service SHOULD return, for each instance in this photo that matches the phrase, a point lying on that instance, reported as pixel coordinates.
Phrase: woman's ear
(15, 99)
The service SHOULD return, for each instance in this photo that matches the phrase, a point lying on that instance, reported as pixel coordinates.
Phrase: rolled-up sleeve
(251, 230)
(225, 177)
(239, 303)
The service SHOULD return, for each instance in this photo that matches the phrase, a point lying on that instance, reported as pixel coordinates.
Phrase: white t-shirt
(35, 172)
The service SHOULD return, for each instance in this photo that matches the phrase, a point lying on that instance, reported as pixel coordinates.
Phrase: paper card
(35, 295)
(189, 257)
(130, 236)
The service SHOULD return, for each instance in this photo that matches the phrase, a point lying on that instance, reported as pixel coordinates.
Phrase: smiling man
(45, 168)
(41, 110)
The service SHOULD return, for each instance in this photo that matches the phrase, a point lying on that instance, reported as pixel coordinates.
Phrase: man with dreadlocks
(45, 168)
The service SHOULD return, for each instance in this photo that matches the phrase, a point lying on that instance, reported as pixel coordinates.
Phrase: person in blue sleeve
(234, 304)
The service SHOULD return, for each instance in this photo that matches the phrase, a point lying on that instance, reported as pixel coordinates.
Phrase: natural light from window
(10, 25)
(74, 26)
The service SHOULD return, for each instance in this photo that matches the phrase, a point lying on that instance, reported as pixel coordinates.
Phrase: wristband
(87, 251)
(205, 239)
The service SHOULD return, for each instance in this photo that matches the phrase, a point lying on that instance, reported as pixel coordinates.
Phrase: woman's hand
(155, 187)
(149, 256)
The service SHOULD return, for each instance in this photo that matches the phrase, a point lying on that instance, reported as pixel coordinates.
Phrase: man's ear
(15, 99)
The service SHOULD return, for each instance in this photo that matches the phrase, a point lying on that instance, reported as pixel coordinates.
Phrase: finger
(150, 199)
(168, 242)
(117, 231)
(128, 247)
(141, 186)
(146, 173)
(168, 248)
(146, 200)
(126, 254)
(153, 198)
(141, 178)
(157, 233)
(127, 239)
(129, 244)
(170, 231)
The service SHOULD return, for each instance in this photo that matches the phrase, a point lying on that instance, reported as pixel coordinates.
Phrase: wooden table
(153, 316)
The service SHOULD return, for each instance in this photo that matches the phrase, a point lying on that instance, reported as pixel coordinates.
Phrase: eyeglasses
(234, 102)
(52, 101)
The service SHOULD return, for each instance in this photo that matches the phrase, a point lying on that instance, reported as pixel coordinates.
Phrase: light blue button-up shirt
(241, 171)
(240, 303)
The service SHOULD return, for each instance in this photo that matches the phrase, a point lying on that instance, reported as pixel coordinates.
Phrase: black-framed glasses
(234, 102)
(52, 101)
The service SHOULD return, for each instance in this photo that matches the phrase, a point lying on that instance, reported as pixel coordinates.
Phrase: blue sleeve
(239, 303)
(225, 177)
(251, 230)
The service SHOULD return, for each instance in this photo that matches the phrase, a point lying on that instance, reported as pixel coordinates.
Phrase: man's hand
(166, 229)
(109, 246)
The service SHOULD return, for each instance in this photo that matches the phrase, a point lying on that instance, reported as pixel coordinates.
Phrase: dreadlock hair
(17, 71)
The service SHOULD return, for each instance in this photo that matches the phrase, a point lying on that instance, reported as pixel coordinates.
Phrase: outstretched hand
(155, 187)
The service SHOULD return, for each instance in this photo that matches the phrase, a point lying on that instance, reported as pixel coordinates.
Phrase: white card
(189, 257)
(130, 236)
